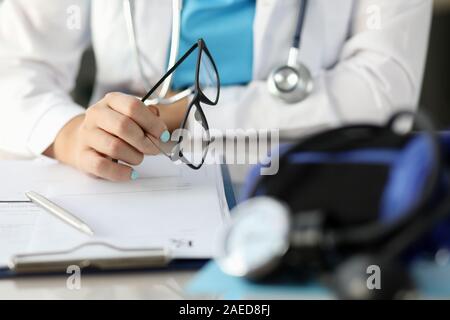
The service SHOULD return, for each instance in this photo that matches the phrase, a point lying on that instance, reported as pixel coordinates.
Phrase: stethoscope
(174, 50)
(291, 83)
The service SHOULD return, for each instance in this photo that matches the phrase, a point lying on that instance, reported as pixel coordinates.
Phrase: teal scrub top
(227, 28)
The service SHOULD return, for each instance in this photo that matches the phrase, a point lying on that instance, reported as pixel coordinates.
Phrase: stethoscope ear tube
(128, 16)
(177, 6)
(174, 46)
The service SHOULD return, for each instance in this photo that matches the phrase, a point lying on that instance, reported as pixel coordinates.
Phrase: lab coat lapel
(263, 17)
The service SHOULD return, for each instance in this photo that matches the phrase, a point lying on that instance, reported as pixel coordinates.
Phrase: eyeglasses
(191, 141)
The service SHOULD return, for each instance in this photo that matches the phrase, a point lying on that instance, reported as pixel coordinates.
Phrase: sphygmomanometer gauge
(254, 243)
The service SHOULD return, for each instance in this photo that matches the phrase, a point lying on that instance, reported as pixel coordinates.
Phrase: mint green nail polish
(134, 175)
(165, 136)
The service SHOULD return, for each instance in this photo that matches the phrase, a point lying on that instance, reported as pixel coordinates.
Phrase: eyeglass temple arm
(169, 73)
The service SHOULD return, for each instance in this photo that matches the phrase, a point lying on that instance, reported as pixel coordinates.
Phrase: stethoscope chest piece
(292, 84)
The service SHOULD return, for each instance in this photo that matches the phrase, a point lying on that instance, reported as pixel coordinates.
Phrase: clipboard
(131, 259)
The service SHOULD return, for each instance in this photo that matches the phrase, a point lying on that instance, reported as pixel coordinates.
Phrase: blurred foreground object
(352, 206)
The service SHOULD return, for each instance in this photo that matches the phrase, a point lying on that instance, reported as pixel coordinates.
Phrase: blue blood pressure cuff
(363, 174)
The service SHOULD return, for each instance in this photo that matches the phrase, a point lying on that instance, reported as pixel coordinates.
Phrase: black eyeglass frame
(199, 97)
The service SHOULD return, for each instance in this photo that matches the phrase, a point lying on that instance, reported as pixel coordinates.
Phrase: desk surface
(146, 285)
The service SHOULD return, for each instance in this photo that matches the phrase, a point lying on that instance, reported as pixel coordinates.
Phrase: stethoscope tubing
(174, 50)
(177, 6)
(300, 24)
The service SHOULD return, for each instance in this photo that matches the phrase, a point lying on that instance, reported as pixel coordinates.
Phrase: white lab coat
(361, 72)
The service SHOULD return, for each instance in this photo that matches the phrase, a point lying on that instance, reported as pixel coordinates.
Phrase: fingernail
(165, 136)
(134, 175)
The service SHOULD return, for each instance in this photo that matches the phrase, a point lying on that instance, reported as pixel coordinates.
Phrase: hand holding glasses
(192, 139)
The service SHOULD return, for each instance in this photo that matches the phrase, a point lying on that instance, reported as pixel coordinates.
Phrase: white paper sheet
(169, 206)
(17, 222)
(185, 220)
(48, 177)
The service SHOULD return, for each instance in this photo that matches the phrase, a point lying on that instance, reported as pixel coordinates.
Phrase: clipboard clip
(110, 258)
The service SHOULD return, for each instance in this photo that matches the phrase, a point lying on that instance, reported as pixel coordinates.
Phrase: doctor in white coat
(366, 56)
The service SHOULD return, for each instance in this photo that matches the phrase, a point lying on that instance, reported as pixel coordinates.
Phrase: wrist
(63, 148)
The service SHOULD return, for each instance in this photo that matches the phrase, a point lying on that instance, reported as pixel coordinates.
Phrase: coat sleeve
(380, 70)
(41, 43)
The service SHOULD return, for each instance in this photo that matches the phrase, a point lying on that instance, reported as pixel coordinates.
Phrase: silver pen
(59, 212)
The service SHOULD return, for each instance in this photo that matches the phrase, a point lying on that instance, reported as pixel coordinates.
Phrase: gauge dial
(256, 239)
